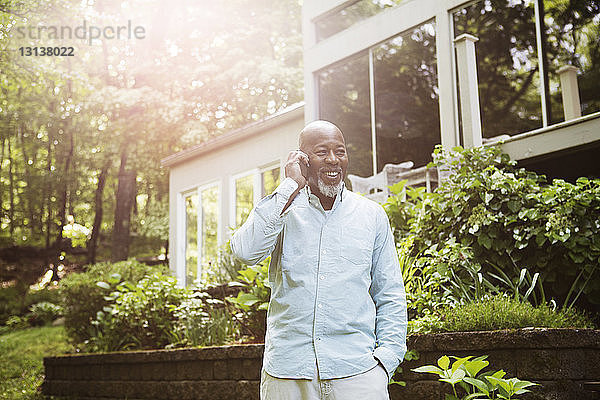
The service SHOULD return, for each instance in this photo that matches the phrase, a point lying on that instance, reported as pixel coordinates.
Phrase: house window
(191, 237)
(210, 224)
(519, 87)
(407, 120)
(385, 101)
(507, 64)
(344, 100)
(201, 231)
(571, 38)
(269, 180)
(251, 187)
(244, 198)
(343, 18)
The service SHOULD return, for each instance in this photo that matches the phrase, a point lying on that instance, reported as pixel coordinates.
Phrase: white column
(309, 39)
(177, 249)
(469, 93)
(446, 79)
(570, 92)
(372, 109)
(540, 56)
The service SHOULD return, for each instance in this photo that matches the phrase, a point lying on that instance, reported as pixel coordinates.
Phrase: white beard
(329, 190)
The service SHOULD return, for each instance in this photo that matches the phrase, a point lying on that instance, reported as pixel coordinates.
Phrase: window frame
(181, 267)
(371, 77)
(257, 187)
(322, 54)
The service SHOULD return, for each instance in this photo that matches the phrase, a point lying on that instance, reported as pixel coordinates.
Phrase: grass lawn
(21, 360)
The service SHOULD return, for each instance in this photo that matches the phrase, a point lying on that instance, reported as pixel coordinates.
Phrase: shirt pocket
(356, 245)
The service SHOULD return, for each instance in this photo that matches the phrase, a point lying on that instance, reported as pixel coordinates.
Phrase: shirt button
(322, 277)
(324, 252)
(320, 305)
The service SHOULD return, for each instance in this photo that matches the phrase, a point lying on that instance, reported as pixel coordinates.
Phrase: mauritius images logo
(85, 31)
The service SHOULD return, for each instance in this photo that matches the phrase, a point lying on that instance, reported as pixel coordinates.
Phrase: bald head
(316, 129)
(325, 147)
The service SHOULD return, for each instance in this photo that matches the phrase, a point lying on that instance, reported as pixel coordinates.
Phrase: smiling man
(336, 325)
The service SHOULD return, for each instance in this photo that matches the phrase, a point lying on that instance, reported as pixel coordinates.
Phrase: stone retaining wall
(561, 360)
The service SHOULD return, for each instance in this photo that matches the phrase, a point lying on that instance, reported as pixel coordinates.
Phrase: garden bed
(562, 361)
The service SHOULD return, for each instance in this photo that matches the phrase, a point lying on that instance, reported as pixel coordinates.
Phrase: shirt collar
(314, 200)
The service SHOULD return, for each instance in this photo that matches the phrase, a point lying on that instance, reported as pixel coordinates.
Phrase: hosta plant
(469, 381)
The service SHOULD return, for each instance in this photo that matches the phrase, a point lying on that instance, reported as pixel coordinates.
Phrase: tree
(82, 137)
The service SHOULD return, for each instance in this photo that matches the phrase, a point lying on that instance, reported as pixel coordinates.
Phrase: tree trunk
(1, 184)
(93, 243)
(11, 181)
(33, 221)
(64, 197)
(48, 192)
(124, 205)
(66, 177)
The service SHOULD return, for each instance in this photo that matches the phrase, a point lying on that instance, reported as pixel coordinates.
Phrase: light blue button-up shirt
(337, 297)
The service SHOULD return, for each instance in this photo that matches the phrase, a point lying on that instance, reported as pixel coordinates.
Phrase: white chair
(376, 187)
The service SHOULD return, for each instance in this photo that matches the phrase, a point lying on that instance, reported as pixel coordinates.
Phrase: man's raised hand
(296, 163)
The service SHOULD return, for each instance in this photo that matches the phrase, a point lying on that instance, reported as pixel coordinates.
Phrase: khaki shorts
(369, 385)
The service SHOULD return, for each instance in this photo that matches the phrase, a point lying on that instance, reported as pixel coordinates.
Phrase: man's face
(326, 151)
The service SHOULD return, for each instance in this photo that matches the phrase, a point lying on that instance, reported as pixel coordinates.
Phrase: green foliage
(469, 381)
(408, 356)
(13, 304)
(252, 301)
(500, 312)
(82, 298)
(44, 313)
(461, 279)
(157, 313)
(155, 221)
(21, 360)
(77, 233)
(203, 321)
(9, 303)
(65, 121)
(138, 316)
(422, 281)
(225, 267)
(51, 295)
(15, 322)
(511, 219)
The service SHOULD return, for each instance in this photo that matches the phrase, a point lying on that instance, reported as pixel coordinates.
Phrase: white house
(214, 185)
(399, 77)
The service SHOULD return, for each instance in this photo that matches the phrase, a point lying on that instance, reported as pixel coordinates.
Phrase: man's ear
(303, 166)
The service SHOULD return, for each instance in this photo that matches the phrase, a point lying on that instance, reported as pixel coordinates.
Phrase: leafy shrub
(448, 275)
(16, 322)
(469, 381)
(225, 268)
(10, 304)
(500, 312)
(462, 279)
(422, 282)
(252, 301)
(157, 313)
(203, 321)
(44, 313)
(82, 298)
(140, 316)
(507, 217)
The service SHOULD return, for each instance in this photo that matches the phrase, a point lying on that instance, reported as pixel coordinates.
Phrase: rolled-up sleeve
(387, 291)
(255, 239)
